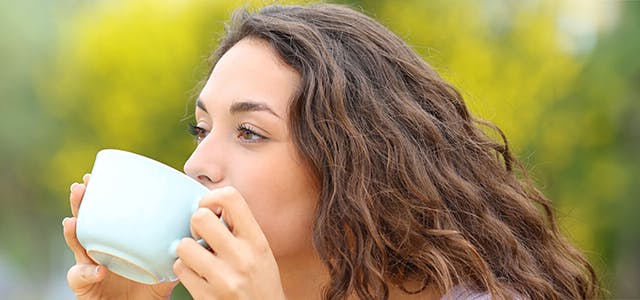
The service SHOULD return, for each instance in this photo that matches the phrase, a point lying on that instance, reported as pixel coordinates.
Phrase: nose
(203, 166)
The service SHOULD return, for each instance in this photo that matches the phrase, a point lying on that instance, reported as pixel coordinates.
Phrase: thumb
(83, 276)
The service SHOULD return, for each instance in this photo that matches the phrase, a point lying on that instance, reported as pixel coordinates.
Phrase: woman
(351, 170)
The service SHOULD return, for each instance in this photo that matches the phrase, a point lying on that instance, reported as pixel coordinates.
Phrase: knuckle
(246, 266)
(198, 217)
(201, 217)
(72, 274)
(233, 287)
(181, 247)
(221, 197)
(262, 246)
(76, 276)
(225, 194)
(210, 199)
(229, 191)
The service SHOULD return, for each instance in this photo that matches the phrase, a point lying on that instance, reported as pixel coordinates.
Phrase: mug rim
(150, 160)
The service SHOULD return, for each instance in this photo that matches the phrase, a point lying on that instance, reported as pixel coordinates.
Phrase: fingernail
(97, 269)
(64, 220)
(73, 185)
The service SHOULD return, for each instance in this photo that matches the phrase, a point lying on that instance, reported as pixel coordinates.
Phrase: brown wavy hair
(412, 189)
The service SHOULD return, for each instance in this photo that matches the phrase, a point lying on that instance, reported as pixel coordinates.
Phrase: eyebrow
(200, 105)
(247, 106)
(243, 106)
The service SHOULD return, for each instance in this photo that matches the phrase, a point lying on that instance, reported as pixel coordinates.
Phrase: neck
(303, 277)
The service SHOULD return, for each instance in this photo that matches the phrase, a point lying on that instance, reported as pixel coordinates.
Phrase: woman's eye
(247, 134)
(198, 132)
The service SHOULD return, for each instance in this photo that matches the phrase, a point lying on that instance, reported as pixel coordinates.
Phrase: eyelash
(245, 128)
(200, 133)
(197, 132)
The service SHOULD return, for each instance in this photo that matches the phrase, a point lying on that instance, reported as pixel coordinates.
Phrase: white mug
(134, 212)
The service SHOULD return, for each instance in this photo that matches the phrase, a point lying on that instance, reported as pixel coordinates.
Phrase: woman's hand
(91, 281)
(240, 264)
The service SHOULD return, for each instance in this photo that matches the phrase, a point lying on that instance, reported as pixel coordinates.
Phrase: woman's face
(244, 142)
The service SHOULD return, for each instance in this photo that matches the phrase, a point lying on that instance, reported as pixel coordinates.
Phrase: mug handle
(174, 245)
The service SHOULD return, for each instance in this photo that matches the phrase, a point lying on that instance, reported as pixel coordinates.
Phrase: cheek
(283, 199)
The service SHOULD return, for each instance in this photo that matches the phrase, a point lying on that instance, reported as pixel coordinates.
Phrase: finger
(69, 229)
(208, 226)
(77, 192)
(195, 284)
(218, 213)
(199, 259)
(194, 234)
(235, 211)
(82, 276)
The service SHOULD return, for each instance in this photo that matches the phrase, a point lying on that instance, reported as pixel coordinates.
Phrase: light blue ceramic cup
(133, 213)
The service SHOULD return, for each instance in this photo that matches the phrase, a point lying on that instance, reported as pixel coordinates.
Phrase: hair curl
(412, 190)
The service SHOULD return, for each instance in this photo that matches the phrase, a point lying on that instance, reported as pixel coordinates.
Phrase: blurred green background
(561, 78)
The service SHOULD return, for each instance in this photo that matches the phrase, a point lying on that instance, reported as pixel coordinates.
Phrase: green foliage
(124, 74)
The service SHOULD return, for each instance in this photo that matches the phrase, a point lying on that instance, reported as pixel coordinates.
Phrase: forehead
(251, 69)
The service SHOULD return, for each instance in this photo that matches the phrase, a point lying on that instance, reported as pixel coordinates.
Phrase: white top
(462, 293)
